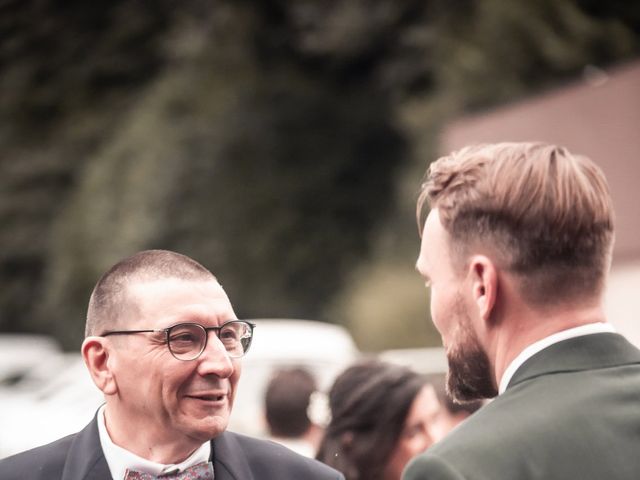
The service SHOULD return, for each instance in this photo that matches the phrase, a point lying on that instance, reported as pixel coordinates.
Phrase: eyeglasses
(187, 341)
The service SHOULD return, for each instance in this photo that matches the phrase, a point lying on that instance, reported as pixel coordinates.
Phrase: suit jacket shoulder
(75, 457)
(236, 457)
(39, 463)
(571, 411)
(239, 457)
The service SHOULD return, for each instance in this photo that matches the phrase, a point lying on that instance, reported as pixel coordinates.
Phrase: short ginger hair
(545, 213)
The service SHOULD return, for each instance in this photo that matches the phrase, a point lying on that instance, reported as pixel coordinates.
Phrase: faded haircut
(544, 213)
(109, 298)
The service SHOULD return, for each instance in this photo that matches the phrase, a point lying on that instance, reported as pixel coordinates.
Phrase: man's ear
(484, 285)
(95, 352)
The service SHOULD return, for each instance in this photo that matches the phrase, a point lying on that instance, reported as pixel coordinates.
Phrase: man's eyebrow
(421, 271)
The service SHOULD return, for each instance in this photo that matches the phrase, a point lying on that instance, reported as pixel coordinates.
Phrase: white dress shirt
(120, 459)
(531, 350)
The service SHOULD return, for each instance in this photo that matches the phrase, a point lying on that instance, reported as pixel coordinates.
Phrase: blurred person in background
(287, 405)
(516, 250)
(380, 417)
(164, 345)
(451, 413)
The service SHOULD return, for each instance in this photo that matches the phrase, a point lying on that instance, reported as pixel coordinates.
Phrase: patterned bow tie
(201, 471)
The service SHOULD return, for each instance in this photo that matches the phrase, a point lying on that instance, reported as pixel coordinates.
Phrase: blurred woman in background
(380, 419)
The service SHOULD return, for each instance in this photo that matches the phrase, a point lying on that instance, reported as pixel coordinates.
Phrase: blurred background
(282, 145)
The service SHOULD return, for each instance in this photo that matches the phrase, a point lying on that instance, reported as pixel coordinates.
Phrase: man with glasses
(164, 345)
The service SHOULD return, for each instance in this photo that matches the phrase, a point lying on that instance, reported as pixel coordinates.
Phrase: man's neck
(530, 326)
(145, 444)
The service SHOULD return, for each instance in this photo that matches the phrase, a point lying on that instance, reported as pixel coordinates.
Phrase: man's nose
(214, 359)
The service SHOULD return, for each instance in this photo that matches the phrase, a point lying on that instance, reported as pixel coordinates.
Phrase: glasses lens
(236, 338)
(186, 341)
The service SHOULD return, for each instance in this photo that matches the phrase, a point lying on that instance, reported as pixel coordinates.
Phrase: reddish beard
(470, 374)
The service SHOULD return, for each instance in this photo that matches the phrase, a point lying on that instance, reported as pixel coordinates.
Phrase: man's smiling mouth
(209, 397)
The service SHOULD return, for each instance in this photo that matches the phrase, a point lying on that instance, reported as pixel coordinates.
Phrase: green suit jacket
(570, 412)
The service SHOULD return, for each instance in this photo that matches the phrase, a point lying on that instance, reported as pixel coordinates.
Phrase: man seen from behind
(516, 250)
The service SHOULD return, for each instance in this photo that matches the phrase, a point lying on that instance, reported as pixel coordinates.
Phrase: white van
(323, 349)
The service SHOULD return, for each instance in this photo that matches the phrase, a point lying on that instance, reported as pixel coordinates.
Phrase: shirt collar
(119, 459)
(531, 350)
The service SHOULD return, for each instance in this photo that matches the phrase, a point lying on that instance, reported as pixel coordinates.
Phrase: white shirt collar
(119, 459)
(535, 347)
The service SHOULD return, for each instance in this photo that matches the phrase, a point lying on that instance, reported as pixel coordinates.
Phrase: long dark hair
(369, 404)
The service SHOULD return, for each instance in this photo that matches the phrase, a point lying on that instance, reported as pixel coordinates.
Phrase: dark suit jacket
(236, 457)
(570, 412)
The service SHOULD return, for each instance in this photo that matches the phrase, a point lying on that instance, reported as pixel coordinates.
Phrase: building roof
(598, 117)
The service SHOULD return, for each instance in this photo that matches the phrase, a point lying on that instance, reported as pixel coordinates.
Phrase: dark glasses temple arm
(124, 332)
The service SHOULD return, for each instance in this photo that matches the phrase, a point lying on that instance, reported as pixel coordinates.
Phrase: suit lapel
(229, 459)
(587, 352)
(85, 460)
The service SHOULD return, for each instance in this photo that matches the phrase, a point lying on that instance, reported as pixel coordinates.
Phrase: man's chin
(206, 429)
(470, 379)
(204, 423)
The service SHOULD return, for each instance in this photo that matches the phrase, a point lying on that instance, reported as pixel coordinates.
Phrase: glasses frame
(167, 331)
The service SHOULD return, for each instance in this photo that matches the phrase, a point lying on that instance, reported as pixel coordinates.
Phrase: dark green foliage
(260, 137)
(282, 208)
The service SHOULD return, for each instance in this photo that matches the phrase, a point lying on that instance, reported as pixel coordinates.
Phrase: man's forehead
(432, 224)
(432, 235)
(172, 300)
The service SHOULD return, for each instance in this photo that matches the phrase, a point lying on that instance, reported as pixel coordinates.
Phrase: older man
(164, 345)
(516, 250)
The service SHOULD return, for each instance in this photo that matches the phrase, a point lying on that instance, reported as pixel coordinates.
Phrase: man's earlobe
(95, 353)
